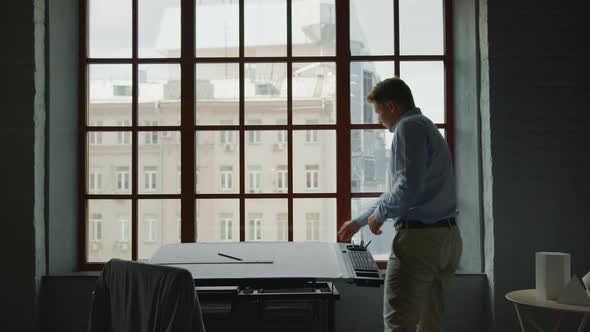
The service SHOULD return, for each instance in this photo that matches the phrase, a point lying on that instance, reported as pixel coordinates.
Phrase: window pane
(215, 214)
(159, 28)
(109, 94)
(314, 219)
(380, 245)
(218, 161)
(313, 28)
(159, 94)
(265, 28)
(423, 35)
(157, 224)
(266, 92)
(363, 77)
(369, 157)
(426, 80)
(159, 157)
(262, 161)
(261, 218)
(443, 133)
(314, 162)
(217, 93)
(314, 92)
(109, 29)
(103, 230)
(113, 159)
(217, 31)
(371, 27)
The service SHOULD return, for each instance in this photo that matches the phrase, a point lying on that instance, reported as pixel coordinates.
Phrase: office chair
(133, 296)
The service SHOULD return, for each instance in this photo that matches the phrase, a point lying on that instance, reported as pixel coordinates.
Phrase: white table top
(316, 260)
(529, 297)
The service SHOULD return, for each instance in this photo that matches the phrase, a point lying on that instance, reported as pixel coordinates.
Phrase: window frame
(188, 60)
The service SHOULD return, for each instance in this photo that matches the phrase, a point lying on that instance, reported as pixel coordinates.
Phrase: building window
(95, 137)
(281, 179)
(226, 137)
(226, 178)
(95, 182)
(254, 135)
(254, 172)
(123, 137)
(179, 229)
(178, 179)
(124, 230)
(312, 226)
(96, 227)
(282, 227)
(151, 137)
(312, 177)
(122, 90)
(255, 226)
(368, 83)
(225, 226)
(311, 136)
(150, 178)
(150, 226)
(369, 169)
(122, 179)
(282, 137)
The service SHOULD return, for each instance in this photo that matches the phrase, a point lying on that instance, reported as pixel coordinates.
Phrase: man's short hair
(392, 89)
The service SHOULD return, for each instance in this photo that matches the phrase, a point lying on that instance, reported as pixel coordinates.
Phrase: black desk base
(307, 306)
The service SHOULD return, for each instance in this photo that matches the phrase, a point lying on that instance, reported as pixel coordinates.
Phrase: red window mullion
(289, 122)
(242, 121)
(343, 185)
(187, 67)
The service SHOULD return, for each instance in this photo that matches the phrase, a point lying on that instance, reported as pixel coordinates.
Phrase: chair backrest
(133, 296)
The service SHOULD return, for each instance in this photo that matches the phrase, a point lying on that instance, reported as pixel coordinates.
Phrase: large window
(201, 110)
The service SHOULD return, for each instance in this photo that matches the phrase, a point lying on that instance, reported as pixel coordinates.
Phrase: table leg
(556, 326)
(519, 317)
(583, 323)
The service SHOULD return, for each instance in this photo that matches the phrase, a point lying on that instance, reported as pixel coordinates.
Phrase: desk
(529, 297)
(267, 286)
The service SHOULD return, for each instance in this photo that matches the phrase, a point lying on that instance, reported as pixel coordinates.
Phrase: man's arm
(409, 158)
(364, 217)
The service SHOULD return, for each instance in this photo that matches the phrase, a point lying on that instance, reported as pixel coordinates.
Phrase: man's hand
(374, 225)
(347, 230)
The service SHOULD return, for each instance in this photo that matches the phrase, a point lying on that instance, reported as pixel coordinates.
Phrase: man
(422, 203)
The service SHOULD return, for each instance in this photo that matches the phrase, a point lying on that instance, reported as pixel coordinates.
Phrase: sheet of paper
(574, 293)
(586, 281)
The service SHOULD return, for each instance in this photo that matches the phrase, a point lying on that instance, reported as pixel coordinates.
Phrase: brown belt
(404, 223)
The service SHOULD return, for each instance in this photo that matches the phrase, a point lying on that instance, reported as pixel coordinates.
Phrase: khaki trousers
(421, 264)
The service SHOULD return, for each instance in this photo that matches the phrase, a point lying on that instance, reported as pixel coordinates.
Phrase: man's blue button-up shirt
(422, 180)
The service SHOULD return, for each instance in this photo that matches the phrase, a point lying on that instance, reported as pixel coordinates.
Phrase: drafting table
(219, 261)
(267, 286)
